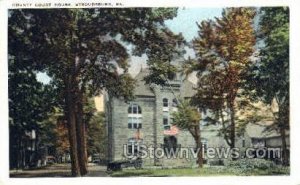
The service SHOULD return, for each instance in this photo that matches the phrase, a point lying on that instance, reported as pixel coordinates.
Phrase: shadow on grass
(33, 175)
(132, 173)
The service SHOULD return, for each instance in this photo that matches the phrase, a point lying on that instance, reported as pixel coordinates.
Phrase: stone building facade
(147, 120)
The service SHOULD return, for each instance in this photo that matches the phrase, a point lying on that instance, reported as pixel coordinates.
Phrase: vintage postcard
(118, 89)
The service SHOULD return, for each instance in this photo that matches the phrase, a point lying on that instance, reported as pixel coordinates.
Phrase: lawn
(206, 171)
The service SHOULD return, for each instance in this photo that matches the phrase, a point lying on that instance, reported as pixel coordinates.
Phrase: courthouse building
(148, 121)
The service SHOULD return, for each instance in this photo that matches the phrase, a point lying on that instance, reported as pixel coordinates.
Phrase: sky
(184, 23)
(186, 19)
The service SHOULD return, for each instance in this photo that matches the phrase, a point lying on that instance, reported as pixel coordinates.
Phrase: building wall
(152, 131)
(121, 132)
(277, 142)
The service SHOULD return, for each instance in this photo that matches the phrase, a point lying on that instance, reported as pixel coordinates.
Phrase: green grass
(206, 171)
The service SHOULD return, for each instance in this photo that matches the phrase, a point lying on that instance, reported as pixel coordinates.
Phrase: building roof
(143, 89)
(188, 89)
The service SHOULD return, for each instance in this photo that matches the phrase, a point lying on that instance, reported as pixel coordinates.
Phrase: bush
(250, 164)
(218, 162)
(251, 167)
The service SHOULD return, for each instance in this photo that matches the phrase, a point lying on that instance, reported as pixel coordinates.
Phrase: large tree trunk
(197, 137)
(76, 125)
(285, 160)
(19, 156)
(81, 135)
(283, 124)
(232, 124)
(228, 141)
(71, 119)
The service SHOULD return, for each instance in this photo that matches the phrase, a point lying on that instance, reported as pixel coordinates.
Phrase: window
(175, 103)
(165, 121)
(165, 102)
(170, 144)
(130, 125)
(133, 146)
(134, 109)
(134, 122)
(134, 116)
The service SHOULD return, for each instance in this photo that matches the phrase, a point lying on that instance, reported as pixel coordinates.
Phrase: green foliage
(48, 135)
(268, 78)
(160, 72)
(90, 43)
(84, 51)
(163, 13)
(96, 130)
(250, 164)
(223, 51)
(30, 101)
(206, 171)
(187, 116)
(96, 135)
(54, 134)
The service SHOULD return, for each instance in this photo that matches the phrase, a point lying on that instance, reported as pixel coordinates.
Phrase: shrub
(218, 162)
(250, 164)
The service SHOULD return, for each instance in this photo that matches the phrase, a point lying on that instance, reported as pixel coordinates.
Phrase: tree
(268, 78)
(97, 137)
(83, 51)
(30, 102)
(96, 130)
(223, 50)
(62, 144)
(188, 118)
(54, 135)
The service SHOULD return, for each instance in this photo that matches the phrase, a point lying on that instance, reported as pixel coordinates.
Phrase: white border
(294, 178)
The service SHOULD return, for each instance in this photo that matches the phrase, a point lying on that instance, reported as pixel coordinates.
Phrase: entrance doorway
(170, 143)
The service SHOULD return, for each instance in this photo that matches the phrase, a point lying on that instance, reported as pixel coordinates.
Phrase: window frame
(165, 102)
(134, 116)
(136, 107)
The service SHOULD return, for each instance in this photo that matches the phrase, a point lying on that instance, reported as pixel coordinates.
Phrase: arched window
(134, 116)
(165, 102)
(134, 109)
